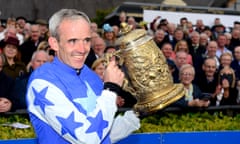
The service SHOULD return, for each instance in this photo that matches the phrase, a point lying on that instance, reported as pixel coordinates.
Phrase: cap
(41, 22)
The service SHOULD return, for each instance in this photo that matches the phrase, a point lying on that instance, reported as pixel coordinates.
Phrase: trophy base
(160, 101)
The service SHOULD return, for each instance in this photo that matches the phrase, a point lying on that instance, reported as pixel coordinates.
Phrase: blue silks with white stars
(68, 108)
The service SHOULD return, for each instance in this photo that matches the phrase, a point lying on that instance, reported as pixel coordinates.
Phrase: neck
(10, 61)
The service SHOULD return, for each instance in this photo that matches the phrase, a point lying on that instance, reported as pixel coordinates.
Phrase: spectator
(108, 35)
(97, 51)
(9, 32)
(217, 30)
(6, 88)
(94, 27)
(199, 26)
(222, 41)
(193, 95)
(167, 50)
(132, 22)
(225, 60)
(236, 62)
(116, 30)
(208, 79)
(27, 31)
(227, 92)
(235, 40)
(203, 40)
(21, 21)
(19, 101)
(229, 37)
(30, 45)
(178, 35)
(181, 59)
(89, 104)
(195, 49)
(182, 46)
(209, 33)
(43, 26)
(159, 38)
(13, 66)
(211, 52)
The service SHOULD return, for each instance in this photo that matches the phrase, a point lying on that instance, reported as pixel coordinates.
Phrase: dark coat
(182, 103)
(15, 70)
(6, 87)
(27, 49)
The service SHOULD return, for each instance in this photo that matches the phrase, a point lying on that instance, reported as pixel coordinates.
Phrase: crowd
(205, 59)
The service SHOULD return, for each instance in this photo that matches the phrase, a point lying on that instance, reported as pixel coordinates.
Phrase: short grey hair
(62, 14)
(39, 51)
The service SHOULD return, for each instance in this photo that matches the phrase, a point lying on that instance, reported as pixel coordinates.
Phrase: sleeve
(48, 103)
(124, 125)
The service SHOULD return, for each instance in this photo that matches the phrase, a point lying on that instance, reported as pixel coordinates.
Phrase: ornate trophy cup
(148, 77)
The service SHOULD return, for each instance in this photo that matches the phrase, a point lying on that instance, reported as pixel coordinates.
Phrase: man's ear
(52, 41)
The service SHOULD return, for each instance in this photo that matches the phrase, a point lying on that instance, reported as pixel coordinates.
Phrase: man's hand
(113, 74)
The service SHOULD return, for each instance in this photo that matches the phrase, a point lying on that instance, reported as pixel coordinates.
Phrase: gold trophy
(148, 77)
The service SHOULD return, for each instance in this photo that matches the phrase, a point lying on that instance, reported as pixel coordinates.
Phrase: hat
(218, 25)
(12, 40)
(107, 28)
(41, 22)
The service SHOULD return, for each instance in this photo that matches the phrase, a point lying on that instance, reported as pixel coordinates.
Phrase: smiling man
(68, 102)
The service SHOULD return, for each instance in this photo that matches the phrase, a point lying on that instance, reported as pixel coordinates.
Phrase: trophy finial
(125, 28)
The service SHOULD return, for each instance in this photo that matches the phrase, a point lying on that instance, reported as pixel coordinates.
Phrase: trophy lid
(128, 35)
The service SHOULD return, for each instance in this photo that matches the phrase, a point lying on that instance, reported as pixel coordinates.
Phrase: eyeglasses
(186, 74)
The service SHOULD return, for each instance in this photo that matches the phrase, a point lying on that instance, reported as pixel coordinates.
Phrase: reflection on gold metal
(147, 73)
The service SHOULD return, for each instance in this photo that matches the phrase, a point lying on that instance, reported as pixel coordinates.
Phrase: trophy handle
(118, 54)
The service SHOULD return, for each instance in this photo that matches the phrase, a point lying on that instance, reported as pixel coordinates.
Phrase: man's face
(212, 48)
(35, 32)
(99, 46)
(237, 53)
(39, 59)
(209, 67)
(73, 45)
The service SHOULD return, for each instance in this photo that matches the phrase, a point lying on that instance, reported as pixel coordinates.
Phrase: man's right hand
(113, 74)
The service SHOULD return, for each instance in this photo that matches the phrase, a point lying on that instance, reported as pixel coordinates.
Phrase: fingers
(113, 74)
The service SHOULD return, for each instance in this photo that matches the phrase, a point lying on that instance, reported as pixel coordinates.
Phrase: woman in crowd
(227, 91)
(182, 46)
(193, 95)
(109, 35)
(225, 60)
(13, 66)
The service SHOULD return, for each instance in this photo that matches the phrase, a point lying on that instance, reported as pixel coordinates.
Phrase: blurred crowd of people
(205, 59)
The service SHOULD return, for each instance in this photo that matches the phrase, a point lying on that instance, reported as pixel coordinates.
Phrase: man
(97, 51)
(67, 101)
(31, 44)
(222, 41)
(181, 59)
(211, 52)
(208, 80)
(19, 101)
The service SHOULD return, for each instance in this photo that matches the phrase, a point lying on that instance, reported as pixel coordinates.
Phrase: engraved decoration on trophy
(148, 77)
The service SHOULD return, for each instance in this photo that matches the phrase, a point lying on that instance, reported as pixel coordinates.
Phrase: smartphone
(206, 96)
